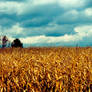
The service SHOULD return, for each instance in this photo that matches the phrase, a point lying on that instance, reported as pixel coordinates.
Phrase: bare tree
(4, 41)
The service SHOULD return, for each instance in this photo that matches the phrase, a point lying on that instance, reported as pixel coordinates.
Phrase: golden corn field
(54, 69)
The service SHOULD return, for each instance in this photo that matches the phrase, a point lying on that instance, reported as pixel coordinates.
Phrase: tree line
(6, 43)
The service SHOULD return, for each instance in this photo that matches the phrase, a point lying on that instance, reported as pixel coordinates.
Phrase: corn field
(60, 69)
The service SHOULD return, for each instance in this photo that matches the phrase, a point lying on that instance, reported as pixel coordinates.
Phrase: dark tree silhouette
(4, 41)
(17, 43)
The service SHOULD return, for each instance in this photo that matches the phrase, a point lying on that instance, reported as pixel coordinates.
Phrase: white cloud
(72, 3)
(47, 40)
(62, 3)
(88, 12)
(16, 29)
(34, 39)
(69, 16)
(75, 16)
(28, 5)
(84, 31)
(13, 31)
(66, 4)
(42, 2)
(81, 33)
(10, 7)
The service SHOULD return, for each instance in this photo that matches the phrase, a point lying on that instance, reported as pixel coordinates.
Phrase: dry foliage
(46, 69)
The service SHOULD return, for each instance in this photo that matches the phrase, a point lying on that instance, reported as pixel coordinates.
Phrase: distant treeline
(5, 42)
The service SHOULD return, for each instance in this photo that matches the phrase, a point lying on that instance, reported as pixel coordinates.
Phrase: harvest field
(54, 69)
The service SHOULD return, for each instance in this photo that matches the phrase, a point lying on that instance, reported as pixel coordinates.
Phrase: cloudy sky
(47, 22)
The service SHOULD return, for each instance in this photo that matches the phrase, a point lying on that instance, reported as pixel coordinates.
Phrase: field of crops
(46, 69)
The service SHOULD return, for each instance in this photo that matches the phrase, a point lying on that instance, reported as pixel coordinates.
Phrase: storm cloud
(47, 22)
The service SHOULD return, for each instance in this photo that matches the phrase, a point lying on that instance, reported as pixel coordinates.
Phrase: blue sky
(47, 22)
